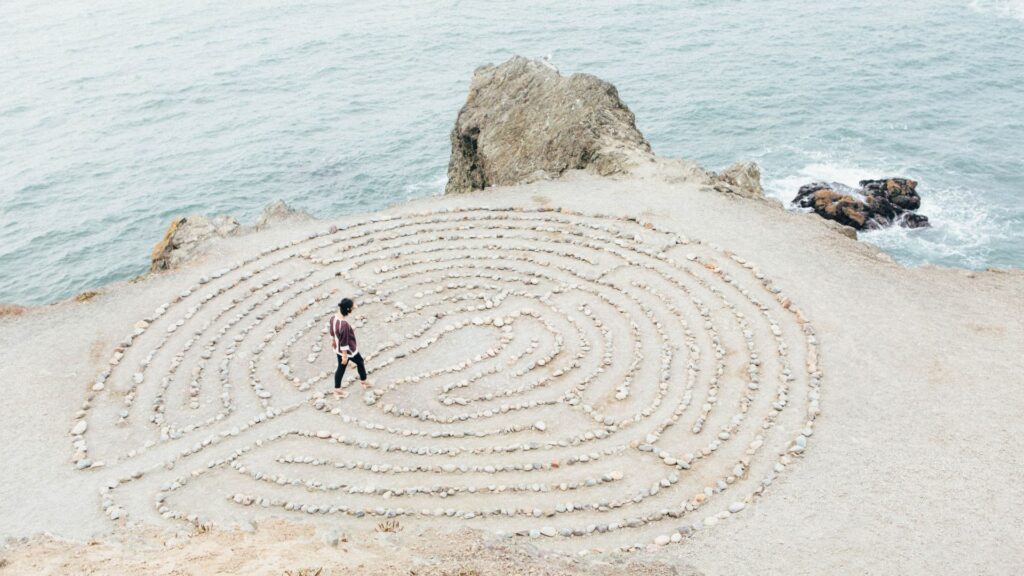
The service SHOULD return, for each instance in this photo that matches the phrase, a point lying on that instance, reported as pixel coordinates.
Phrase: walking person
(343, 342)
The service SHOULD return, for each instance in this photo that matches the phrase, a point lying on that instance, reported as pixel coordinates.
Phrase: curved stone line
(402, 237)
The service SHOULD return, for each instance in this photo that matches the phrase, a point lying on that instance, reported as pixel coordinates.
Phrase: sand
(912, 465)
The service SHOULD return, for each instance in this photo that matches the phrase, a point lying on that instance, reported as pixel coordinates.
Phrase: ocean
(116, 116)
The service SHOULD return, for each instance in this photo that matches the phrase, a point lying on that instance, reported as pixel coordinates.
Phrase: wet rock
(913, 220)
(523, 121)
(900, 192)
(832, 205)
(877, 204)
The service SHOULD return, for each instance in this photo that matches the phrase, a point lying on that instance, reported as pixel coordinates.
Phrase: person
(343, 342)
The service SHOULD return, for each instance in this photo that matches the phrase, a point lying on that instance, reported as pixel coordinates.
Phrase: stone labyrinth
(587, 381)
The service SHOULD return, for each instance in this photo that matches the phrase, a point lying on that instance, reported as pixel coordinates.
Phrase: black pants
(340, 372)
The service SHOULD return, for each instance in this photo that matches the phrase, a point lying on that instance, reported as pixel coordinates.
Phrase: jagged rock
(844, 209)
(742, 178)
(523, 121)
(878, 204)
(184, 236)
(900, 192)
(280, 212)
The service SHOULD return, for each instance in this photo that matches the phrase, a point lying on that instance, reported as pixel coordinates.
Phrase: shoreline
(903, 320)
(15, 308)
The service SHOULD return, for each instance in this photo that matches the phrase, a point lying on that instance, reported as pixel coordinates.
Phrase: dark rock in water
(877, 204)
(831, 204)
(804, 194)
(913, 220)
(901, 192)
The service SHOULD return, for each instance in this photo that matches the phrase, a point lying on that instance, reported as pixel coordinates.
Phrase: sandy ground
(914, 465)
(293, 550)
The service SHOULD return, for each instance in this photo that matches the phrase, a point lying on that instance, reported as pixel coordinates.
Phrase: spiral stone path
(589, 382)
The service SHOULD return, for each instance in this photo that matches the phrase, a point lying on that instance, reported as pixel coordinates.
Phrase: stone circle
(587, 381)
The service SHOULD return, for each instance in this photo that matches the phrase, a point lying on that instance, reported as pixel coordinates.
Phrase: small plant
(203, 527)
(389, 525)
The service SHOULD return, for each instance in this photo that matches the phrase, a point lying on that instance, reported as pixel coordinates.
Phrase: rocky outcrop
(877, 204)
(187, 236)
(279, 212)
(742, 179)
(900, 192)
(184, 236)
(523, 121)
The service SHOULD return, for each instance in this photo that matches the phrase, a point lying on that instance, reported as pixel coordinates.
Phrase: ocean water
(116, 116)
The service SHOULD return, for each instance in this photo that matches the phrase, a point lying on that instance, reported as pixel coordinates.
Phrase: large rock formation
(900, 192)
(877, 204)
(523, 121)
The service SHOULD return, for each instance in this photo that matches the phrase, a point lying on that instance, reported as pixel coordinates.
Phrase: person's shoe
(366, 384)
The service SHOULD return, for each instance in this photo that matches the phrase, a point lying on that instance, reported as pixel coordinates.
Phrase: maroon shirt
(343, 337)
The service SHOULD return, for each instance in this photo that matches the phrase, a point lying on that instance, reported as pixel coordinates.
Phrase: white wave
(1001, 8)
(963, 231)
(433, 185)
(784, 188)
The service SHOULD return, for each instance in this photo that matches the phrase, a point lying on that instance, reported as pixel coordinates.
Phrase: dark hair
(345, 306)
